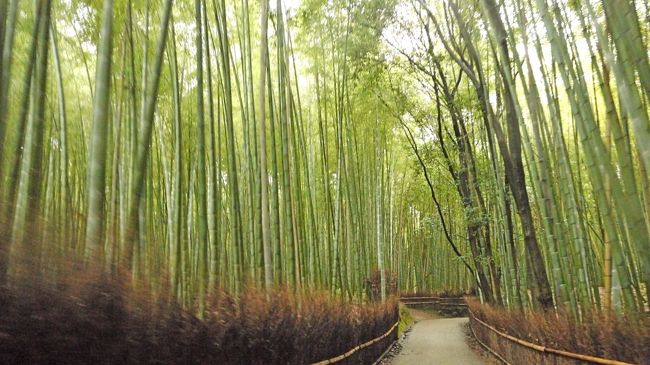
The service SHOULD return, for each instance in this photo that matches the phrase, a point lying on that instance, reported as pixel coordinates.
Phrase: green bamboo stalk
(233, 180)
(144, 136)
(29, 190)
(266, 228)
(201, 198)
(99, 139)
(7, 35)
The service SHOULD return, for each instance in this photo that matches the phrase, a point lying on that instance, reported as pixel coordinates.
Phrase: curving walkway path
(436, 341)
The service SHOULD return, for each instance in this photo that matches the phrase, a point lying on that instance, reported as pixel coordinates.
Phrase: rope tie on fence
(539, 348)
(355, 349)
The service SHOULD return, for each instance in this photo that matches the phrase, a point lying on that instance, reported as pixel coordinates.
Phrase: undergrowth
(86, 317)
(405, 319)
(624, 338)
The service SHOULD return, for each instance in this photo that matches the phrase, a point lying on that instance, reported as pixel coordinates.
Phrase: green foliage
(455, 144)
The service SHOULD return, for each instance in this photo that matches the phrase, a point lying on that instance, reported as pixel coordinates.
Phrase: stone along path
(434, 340)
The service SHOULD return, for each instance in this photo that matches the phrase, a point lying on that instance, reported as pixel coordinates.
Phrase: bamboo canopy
(361, 147)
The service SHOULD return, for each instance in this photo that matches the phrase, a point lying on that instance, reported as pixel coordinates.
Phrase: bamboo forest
(324, 181)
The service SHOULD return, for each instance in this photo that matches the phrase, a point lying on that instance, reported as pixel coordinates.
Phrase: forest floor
(436, 340)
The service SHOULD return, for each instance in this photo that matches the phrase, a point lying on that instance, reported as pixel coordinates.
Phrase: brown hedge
(88, 318)
(624, 338)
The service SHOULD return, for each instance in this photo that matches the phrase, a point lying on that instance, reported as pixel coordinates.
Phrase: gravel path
(436, 341)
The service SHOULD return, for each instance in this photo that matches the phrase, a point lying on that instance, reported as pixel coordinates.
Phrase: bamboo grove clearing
(361, 147)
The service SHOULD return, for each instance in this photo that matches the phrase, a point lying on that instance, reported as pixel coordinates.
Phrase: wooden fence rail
(439, 303)
(445, 301)
(432, 297)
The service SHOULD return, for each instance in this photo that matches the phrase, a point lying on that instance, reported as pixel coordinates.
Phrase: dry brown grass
(86, 317)
(60, 311)
(96, 321)
(624, 338)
